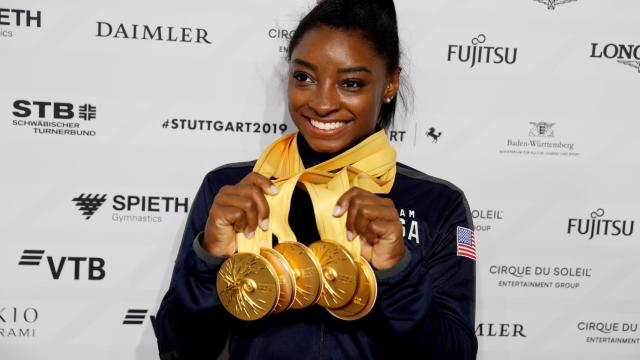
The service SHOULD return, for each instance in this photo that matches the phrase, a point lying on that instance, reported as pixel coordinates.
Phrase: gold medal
(286, 278)
(339, 272)
(247, 286)
(365, 295)
(307, 270)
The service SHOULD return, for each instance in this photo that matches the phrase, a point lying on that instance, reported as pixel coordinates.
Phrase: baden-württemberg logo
(480, 53)
(551, 4)
(597, 226)
(541, 141)
(625, 54)
(132, 208)
(55, 118)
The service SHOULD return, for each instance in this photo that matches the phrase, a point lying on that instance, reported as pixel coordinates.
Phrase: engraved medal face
(307, 272)
(364, 298)
(247, 286)
(339, 272)
(286, 278)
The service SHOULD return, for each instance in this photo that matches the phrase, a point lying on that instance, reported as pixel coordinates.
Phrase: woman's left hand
(377, 222)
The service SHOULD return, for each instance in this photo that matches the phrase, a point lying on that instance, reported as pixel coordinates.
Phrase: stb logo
(89, 204)
(551, 4)
(541, 129)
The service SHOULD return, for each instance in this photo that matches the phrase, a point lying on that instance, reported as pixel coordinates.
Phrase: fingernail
(250, 235)
(274, 190)
(349, 235)
(337, 210)
(264, 224)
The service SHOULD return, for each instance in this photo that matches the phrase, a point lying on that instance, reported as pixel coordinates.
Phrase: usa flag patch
(466, 241)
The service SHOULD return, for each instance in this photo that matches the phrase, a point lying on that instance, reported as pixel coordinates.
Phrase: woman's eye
(302, 77)
(352, 83)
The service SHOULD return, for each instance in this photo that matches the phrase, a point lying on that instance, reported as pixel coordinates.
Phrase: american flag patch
(466, 241)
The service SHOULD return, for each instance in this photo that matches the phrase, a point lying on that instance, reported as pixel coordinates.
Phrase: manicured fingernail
(337, 210)
(250, 235)
(264, 224)
(274, 190)
(349, 235)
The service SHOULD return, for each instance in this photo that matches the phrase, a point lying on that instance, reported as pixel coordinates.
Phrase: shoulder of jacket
(237, 168)
(429, 180)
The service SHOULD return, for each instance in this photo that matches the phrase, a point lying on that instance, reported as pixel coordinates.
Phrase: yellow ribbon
(370, 165)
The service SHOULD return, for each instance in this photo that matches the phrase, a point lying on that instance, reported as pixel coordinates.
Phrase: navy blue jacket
(425, 307)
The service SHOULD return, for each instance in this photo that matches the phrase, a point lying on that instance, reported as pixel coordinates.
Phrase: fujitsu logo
(478, 53)
(597, 226)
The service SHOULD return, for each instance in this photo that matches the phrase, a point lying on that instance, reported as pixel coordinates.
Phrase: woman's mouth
(326, 125)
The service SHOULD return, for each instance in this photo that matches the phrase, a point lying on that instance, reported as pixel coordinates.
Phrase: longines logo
(500, 330)
(140, 208)
(90, 268)
(134, 316)
(18, 322)
(540, 276)
(483, 219)
(477, 53)
(18, 18)
(596, 226)
(610, 332)
(551, 4)
(54, 118)
(152, 32)
(180, 124)
(540, 142)
(626, 54)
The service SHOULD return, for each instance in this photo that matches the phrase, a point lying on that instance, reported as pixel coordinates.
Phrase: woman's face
(337, 84)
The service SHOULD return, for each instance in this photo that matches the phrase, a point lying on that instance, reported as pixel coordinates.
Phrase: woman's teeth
(327, 125)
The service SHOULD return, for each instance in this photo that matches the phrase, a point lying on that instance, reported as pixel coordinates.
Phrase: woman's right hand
(241, 207)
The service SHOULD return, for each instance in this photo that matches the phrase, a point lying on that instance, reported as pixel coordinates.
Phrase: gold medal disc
(308, 273)
(339, 271)
(365, 296)
(247, 286)
(286, 278)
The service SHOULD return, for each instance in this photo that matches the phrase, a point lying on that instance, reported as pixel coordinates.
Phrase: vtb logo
(57, 110)
(134, 316)
(91, 267)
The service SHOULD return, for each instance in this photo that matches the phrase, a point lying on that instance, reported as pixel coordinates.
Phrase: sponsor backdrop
(110, 116)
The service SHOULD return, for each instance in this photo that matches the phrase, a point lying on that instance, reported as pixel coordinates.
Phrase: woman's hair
(375, 20)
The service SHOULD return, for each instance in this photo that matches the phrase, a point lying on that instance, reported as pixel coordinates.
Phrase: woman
(343, 83)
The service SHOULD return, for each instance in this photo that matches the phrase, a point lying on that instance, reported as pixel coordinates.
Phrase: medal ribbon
(370, 165)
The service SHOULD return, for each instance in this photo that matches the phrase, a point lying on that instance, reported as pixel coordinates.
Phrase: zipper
(321, 339)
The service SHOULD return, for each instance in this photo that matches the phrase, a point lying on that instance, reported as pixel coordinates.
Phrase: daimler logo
(152, 32)
(500, 330)
(625, 54)
(551, 4)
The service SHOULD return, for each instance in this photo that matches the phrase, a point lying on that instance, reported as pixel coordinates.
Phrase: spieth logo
(596, 226)
(500, 330)
(17, 322)
(551, 4)
(150, 32)
(94, 265)
(625, 54)
(18, 18)
(541, 129)
(134, 316)
(476, 53)
(89, 204)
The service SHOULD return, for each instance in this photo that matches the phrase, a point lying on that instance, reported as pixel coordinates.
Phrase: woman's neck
(311, 157)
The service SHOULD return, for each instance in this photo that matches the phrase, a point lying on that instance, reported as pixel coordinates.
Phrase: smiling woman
(331, 194)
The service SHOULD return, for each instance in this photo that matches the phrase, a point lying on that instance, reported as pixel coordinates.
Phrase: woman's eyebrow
(305, 63)
(354, 69)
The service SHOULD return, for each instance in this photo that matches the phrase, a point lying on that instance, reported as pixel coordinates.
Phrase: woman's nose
(324, 100)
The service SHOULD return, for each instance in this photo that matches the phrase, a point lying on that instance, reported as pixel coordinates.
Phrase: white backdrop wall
(105, 138)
